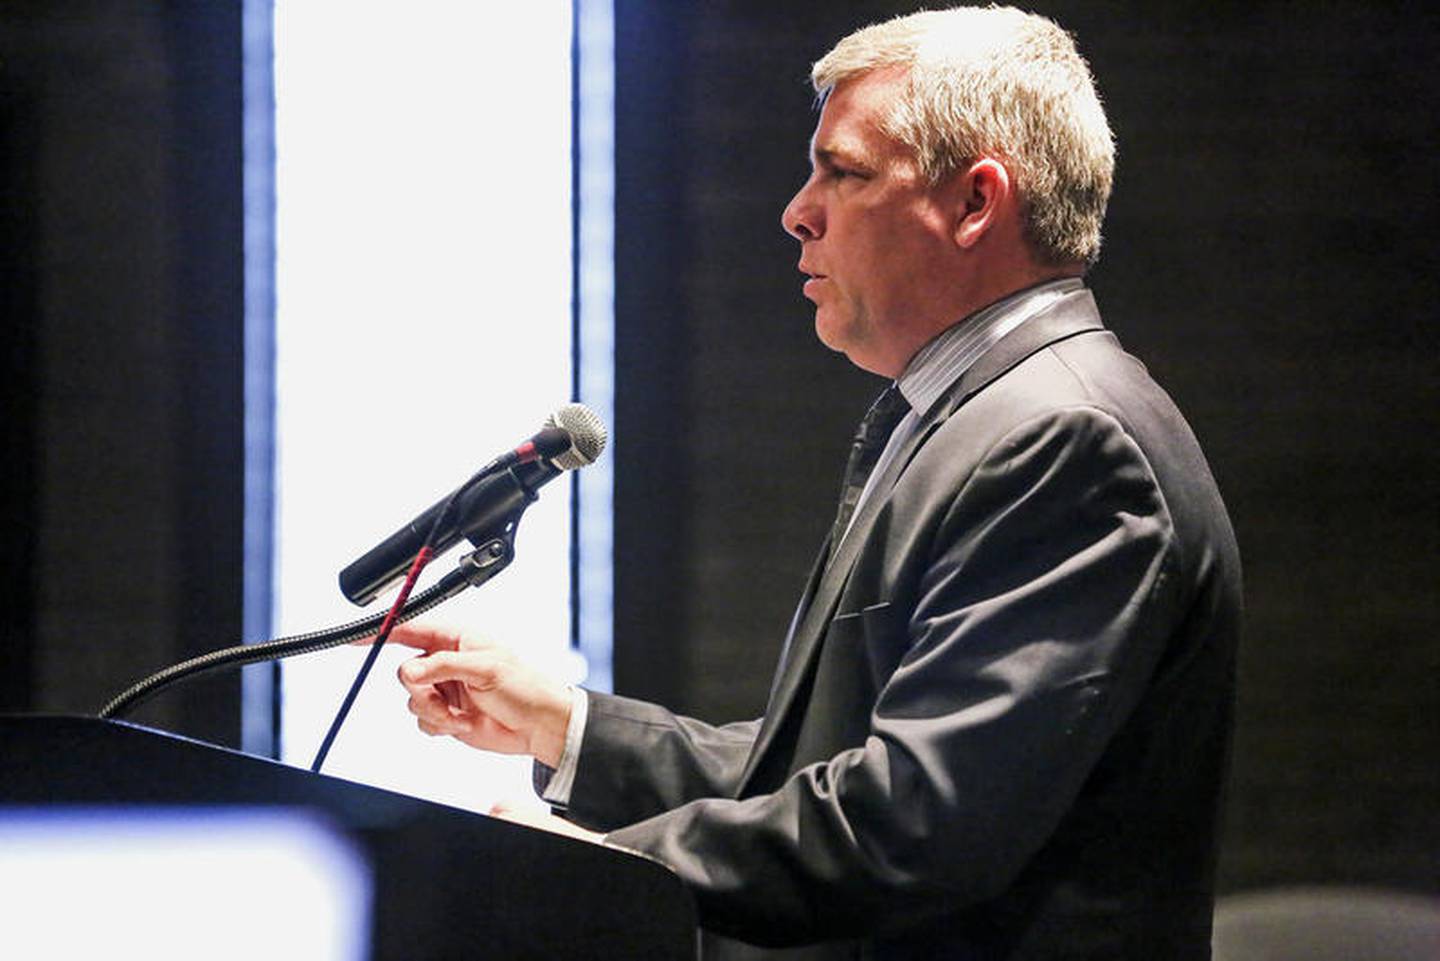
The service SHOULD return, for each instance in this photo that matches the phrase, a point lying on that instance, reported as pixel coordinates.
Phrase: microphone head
(587, 435)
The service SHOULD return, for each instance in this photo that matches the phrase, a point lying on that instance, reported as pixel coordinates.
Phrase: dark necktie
(865, 450)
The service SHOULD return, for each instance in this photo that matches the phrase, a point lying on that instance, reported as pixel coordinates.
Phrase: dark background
(1270, 254)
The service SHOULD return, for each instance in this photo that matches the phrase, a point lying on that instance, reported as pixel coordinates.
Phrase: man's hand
(479, 693)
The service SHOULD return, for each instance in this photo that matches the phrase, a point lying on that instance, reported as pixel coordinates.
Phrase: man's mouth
(812, 281)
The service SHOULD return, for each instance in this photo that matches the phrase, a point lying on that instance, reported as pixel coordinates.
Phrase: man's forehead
(850, 129)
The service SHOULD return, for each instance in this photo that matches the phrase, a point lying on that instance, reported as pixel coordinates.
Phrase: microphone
(498, 493)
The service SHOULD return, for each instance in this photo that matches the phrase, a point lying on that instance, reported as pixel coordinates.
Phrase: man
(999, 725)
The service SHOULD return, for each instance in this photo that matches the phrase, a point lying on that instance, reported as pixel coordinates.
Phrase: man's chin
(848, 340)
(829, 330)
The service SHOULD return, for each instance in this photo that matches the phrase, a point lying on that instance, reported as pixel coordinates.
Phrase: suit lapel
(1073, 314)
(811, 585)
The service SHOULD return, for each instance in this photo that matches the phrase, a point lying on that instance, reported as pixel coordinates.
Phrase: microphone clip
(488, 559)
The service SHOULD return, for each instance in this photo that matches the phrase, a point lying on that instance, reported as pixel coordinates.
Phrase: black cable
(391, 618)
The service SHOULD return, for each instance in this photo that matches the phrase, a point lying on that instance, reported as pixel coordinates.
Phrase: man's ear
(984, 190)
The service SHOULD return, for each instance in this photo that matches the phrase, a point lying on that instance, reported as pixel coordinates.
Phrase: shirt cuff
(556, 791)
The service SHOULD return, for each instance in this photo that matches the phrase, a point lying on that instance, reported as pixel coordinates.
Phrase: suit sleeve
(638, 759)
(1036, 622)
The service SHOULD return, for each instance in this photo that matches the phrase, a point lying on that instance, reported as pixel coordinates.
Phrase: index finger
(423, 637)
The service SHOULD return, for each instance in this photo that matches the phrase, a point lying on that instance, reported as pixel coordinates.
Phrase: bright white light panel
(172, 884)
(423, 224)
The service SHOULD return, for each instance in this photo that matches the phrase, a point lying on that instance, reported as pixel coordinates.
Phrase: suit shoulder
(1085, 372)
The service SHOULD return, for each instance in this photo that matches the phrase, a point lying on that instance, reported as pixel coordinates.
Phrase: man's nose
(802, 218)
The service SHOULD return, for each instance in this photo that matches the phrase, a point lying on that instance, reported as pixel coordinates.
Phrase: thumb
(431, 669)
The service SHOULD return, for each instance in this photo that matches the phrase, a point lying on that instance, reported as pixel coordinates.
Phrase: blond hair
(996, 82)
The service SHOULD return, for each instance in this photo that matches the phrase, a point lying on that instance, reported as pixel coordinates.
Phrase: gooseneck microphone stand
(493, 553)
(489, 506)
(474, 569)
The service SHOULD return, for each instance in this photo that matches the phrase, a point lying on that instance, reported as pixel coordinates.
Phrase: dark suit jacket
(1000, 725)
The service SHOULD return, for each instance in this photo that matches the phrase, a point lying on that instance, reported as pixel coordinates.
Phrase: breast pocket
(874, 635)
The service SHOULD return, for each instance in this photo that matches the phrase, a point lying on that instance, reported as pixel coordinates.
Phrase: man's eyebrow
(831, 156)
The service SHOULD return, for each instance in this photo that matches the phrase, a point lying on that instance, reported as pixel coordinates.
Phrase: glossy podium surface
(446, 883)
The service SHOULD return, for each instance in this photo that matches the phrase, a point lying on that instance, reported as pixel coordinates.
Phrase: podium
(446, 883)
